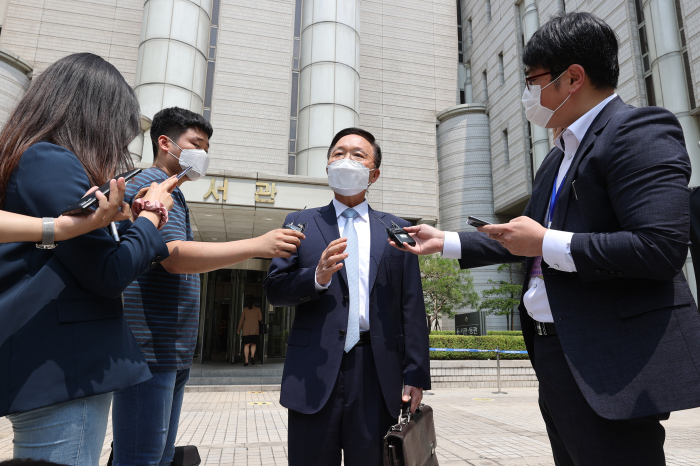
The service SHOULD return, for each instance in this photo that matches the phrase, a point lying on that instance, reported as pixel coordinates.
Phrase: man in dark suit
(609, 321)
(360, 334)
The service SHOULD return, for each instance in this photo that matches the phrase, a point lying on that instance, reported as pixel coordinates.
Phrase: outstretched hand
(429, 240)
(521, 236)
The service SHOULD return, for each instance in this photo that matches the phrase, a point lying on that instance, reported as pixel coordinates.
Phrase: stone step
(223, 380)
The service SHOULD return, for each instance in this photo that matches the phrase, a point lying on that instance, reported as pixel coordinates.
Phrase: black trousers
(355, 419)
(579, 436)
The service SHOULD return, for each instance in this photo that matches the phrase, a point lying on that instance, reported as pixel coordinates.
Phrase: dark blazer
(398, 324)
(62, 330)
(627, 321)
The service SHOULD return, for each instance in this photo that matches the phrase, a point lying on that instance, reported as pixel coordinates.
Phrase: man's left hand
(522, 236)
(415, 394)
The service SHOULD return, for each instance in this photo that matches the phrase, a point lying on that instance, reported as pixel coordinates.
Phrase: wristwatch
(48, 227)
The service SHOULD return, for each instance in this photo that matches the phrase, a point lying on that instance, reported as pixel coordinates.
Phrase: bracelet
(155, 207)
(47, 234)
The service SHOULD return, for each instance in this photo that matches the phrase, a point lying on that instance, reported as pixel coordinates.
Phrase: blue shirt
(162, 308)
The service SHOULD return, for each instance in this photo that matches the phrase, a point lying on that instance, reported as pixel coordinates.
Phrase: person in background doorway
(250, 324)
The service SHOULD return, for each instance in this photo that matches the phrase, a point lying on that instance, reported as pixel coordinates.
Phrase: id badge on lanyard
(536, 269)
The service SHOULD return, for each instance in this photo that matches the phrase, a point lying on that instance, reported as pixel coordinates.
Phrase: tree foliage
(445, 288)
(503, 296)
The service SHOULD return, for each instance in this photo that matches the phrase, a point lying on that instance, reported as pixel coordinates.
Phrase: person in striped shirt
(162, 306)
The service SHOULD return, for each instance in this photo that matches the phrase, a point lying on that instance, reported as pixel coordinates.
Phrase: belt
(545, 328)
(365, 339)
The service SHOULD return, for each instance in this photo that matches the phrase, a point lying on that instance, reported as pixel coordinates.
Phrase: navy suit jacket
(398, 324)
(62, 330)
(626, 319)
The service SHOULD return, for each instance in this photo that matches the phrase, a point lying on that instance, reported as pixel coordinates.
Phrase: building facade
(438, 82)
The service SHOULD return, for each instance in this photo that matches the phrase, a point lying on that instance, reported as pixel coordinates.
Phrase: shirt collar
(361, 209)
(574, 134)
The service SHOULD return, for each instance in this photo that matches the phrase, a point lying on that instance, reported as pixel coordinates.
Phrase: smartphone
(477, 222)
(184, 172)
(84, 205)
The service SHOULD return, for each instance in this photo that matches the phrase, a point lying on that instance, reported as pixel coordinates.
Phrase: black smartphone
(477, 222)
(83, 206)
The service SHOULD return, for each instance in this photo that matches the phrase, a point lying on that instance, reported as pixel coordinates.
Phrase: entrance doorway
(224, 293)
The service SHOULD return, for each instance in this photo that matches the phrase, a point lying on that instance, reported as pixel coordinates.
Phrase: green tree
(445, 287)
(503, 296)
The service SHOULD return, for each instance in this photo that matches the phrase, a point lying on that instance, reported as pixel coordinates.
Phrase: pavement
(474, 426)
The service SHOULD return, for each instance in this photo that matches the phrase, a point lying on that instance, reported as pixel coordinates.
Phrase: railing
(498, 352)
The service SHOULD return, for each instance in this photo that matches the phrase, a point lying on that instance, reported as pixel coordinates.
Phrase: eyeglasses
(356, 155)
(529, 79)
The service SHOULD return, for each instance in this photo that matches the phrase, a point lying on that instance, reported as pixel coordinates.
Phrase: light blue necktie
(352, 267)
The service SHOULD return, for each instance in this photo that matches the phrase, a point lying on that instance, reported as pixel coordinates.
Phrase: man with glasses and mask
(162, 306)
(610, 324)
(360, 336)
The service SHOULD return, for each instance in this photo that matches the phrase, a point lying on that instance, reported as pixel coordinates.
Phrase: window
(488, 10)
(684, 52)
(562, 6)
(294, 107)
(460, 48)
(501, 72)
(506, 154)
(486, 87)
(462, 98)
(211, 59)
(470, 36)
(644, 48)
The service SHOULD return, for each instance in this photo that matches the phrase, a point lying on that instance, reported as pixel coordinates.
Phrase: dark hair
(576, 39)
(360, 132)
(81, 103)
(174, 122)
(250, 302)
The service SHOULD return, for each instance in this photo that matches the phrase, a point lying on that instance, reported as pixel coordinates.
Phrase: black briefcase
(412, 441)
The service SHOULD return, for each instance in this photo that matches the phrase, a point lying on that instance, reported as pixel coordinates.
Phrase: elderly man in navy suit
(609, 322)
(360, 337)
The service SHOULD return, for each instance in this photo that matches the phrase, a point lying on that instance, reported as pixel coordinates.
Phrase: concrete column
(466, 186)
(172, 65)
(329, 85)
(669, 75)
(15, 76)
(540, 136)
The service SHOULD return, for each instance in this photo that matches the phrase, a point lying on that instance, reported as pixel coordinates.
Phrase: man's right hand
(330, 260)
(429, 240)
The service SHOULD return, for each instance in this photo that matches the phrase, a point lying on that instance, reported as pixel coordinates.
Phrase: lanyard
(553, 200)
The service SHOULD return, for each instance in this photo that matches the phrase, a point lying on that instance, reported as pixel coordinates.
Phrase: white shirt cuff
(452, 247)
(322, 287)
(556, 250)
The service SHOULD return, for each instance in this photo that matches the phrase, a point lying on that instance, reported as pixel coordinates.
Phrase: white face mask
(535, 112)
(348, 177)
(198, 159)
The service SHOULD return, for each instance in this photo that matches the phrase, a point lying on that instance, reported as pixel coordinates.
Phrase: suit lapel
(378, 244)
(328, 225)
(584, 148)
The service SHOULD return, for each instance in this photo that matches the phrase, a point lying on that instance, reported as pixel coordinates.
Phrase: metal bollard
(498, 371)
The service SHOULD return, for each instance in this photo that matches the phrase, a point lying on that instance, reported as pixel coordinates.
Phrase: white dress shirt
(556, 246)
(361, 224)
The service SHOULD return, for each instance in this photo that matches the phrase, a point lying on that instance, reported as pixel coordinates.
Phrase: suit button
(154, 265)
(597, 272)
(342, 333)
(159, 259)
(345, 299)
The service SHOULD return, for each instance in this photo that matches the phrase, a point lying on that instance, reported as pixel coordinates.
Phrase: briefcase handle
(405, 414)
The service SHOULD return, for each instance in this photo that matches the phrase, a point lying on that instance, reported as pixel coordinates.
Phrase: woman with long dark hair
(64, 343)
